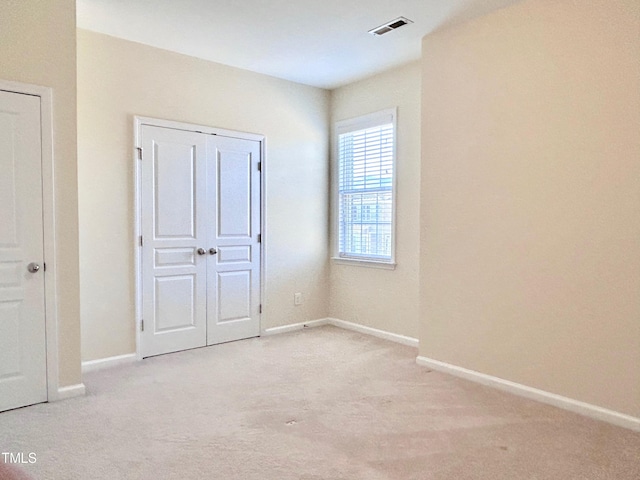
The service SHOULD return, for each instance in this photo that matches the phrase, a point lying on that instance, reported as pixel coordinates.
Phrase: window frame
(362, 122)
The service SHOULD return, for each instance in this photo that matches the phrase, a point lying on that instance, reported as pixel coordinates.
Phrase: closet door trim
(138, 122)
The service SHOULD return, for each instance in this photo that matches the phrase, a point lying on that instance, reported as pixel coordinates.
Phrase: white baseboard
(575, 406)
(92, 365)
(108, 362)
(294, 327)
(394, 337)
(71, 391)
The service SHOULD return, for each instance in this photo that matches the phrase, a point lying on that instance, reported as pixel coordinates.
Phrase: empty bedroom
(382, 240)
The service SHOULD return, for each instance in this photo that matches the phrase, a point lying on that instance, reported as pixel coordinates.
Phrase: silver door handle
(201, 251)
(33, 267)
(212, 251)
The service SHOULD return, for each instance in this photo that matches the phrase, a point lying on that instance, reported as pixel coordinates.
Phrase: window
(366, 188)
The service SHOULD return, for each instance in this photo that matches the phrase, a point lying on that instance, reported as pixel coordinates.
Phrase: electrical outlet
(297, 298)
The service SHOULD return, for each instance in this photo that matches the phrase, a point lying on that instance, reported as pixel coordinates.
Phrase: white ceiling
(323, 43)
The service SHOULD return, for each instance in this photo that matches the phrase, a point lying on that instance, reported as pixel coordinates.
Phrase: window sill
(364, 263)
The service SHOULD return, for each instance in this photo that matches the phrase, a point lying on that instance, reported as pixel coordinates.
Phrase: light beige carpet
(322, 403)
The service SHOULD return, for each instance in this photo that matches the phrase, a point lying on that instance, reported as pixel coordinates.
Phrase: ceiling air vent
(389, 26)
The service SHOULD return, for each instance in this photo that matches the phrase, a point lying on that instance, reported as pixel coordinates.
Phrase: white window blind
(366, 188)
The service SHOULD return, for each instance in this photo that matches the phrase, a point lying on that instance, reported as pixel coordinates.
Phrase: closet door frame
(54, 391)
(138, 122)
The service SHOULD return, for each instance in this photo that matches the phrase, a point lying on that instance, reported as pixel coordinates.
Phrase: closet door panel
(173, 227)
(233, 274)
(200, 261)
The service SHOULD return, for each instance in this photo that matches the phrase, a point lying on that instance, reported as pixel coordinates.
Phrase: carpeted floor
(322, 403)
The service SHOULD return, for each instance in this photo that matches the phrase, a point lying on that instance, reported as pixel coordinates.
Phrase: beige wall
(530, 226)
(38, 46)
(118, 79)
(386, 299)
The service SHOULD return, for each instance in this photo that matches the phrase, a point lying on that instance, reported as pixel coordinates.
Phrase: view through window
(365, 189)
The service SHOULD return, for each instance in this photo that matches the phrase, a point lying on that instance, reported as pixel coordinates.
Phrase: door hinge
(44, 266)
(259, 166)
(141, 242)
(259, 238)
(139, 149)
(260, 308)
(142, 325)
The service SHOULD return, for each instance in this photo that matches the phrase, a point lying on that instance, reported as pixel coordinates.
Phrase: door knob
(201, 251)
(33, 267)
(212, 251)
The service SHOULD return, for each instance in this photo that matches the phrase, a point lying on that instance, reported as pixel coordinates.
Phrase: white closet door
(233, 222)
(173, 229)
(23, 377)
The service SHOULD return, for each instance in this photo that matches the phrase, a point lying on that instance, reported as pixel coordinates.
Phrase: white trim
(92, 365)
(99, 364)
(374, 332)
(192, 127)
(295, 327)
(138, 122)
(77, 390)
(263, 230)
(356, 327)
(575, 406)
(49, 226)
(137, 230)
(364, 263)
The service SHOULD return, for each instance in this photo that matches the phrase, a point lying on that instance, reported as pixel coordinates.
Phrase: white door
(173, 229)
(200, 250)
(233, 286)
(23, 375)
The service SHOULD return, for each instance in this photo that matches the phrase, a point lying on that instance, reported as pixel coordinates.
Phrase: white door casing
(23, 347)
(200, 220)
